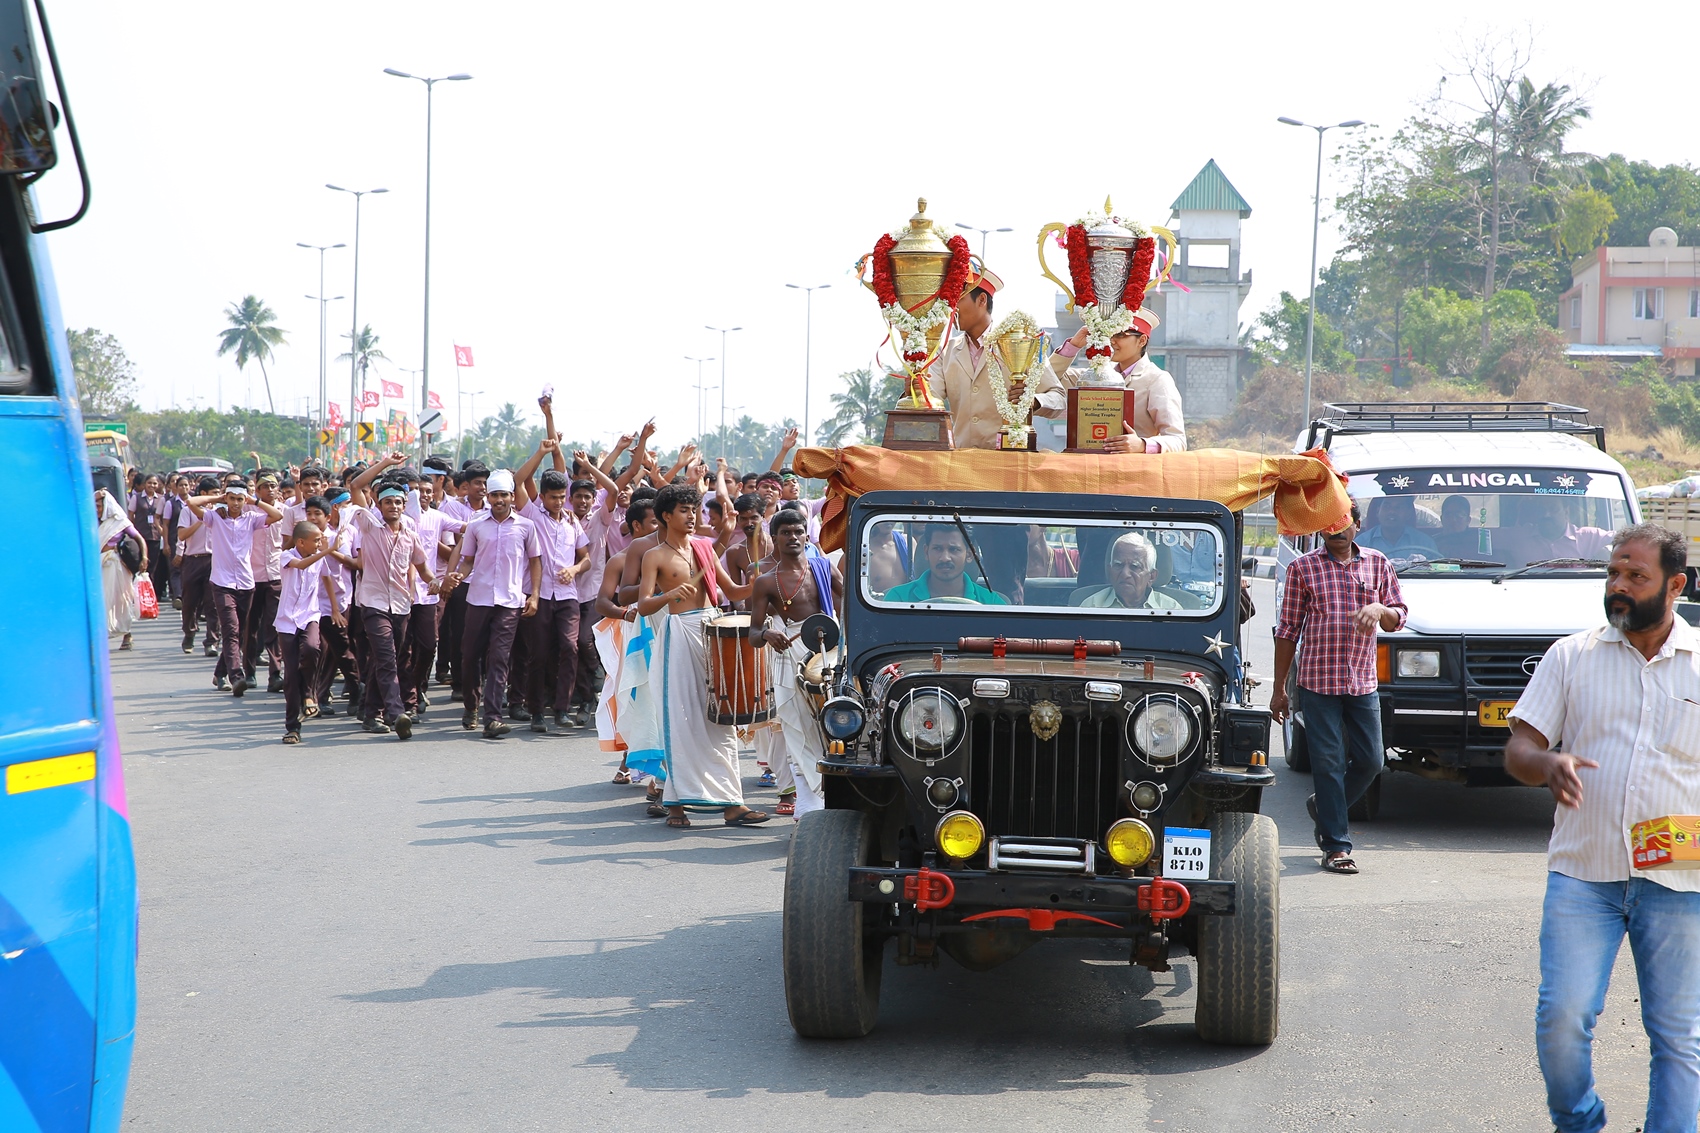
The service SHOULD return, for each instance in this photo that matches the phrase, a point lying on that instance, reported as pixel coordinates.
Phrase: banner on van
(1502, 480)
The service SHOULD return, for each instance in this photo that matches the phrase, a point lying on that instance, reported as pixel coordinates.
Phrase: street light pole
(808, 344)
(460, 441)
(321, 249)
(699, 387)
(354, 324)
(425, 349)
(982, 232)
(724, 331)
(1315, 227)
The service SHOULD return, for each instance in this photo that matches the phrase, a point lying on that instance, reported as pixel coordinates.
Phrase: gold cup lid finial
(1109, 209)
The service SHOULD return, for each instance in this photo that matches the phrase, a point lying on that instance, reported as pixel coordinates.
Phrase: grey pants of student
(487, 640)
(300, 651)
(386, 634)
(230, 607)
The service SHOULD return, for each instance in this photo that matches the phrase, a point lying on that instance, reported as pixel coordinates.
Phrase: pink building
(1629, 303)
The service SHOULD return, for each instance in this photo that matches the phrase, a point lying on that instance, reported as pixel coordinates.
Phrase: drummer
(799, 585)
(1157, 424)
(682, 576)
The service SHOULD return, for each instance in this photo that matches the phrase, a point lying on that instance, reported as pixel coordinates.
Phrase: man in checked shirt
(1334, 599)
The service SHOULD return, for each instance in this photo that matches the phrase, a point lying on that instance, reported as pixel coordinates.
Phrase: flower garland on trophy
(919, 273)
(1109, 263)
(1017, 355)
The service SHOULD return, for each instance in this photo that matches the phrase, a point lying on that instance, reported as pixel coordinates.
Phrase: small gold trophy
(1018, 355)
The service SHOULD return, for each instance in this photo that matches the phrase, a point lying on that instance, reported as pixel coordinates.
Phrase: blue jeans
(1344, 737)
(1582, 925)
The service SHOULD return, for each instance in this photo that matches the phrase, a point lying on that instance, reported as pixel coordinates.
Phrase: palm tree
(860, 408)
(365, 353)
(251, 334)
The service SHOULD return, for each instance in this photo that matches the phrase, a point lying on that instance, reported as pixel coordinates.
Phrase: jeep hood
(1530, 605)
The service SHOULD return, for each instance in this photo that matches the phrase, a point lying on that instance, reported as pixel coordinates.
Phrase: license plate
(1495, 713)
(1186, 852)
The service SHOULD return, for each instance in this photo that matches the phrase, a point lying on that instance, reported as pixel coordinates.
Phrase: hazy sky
(618, 175)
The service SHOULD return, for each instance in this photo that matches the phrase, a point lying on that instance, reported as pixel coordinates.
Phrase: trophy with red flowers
(1110, 260)
(918, 276)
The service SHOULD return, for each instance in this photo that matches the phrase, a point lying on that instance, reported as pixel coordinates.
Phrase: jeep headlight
(1419, 662)
(1130, 842)
(959, 835)
(928, 723)
(1160, 729)
(841, 718)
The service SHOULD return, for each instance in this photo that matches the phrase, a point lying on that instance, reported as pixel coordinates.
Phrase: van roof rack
(1345, 418)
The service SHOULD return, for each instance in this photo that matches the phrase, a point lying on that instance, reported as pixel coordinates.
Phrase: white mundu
(801, 744)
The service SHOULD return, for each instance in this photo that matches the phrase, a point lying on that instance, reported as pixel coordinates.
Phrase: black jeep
(1039, 727)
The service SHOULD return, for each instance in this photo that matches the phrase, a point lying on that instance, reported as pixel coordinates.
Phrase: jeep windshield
(1471, 521)
(940, 560)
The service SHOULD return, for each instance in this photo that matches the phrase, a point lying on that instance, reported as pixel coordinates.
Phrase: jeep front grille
(1066, 787)
(1498, 662)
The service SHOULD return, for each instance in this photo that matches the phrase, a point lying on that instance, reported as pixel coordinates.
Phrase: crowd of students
(375, 589)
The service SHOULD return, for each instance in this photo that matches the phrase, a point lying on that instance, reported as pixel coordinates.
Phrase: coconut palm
(860, 408)
(365, 352)
(251, 334)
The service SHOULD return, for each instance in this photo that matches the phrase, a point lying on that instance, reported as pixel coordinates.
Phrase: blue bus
(67, 875)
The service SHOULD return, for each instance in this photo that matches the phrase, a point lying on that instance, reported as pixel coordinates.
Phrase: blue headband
(392, 490)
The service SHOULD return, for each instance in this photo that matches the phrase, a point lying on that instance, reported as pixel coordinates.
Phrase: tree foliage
(251, 335)
(858, 411)
(1279, 338)
(104, 374)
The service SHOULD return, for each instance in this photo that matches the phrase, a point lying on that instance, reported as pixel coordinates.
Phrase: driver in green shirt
(947, 559)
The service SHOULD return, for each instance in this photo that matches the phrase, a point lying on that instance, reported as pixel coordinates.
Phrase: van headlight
(928, 723)
(1161, 729)
(1419, 663)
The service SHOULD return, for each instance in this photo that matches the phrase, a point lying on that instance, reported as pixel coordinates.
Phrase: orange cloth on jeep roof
(1309, 496)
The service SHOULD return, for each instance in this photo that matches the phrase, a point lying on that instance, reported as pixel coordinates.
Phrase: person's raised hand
(396, 458)
(720, 464)
(545, 402)
(624, 442)
(648, 430)
(1079, 337)
(582, 457)
(790, 441)
(550, 444)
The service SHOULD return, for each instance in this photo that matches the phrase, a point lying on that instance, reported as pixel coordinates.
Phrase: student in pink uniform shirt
(390, 553)
(302, 593)
(437, 532)
(266, 561)
(552, 635)
(496, 555)
(230, 533)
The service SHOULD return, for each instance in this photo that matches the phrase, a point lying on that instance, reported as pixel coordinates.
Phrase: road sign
(364, 431)
(326, 436)
(431, 424)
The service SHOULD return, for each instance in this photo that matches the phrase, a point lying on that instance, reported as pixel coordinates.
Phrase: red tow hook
(1165, 900)
(1039, 920)
(929, 889)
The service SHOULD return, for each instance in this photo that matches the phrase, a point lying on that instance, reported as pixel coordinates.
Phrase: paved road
(451, 934)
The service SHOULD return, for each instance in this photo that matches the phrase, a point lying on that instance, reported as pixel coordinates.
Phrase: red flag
(333, 415)
(368, 399)
(463, 355)
(393, 389)
(432, 401)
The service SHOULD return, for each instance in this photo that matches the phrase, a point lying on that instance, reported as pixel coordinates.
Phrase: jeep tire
(832, 965)
(1239, 970)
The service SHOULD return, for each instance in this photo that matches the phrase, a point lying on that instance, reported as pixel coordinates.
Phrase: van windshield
(1508, 517)
(1120, 568)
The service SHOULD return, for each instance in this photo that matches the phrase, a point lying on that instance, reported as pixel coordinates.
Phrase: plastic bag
(146, 598)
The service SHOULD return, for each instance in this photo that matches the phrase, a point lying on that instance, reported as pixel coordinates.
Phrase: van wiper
(1599, 564)
(981, 567)
(1415, 563)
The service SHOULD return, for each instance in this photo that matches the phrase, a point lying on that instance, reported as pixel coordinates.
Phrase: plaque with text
(922, 429)
(1095, 414)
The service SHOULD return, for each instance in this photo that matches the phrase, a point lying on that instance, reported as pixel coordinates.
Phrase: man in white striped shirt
(1610, 723)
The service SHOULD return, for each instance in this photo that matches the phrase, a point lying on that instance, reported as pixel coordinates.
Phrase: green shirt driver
(947, 559)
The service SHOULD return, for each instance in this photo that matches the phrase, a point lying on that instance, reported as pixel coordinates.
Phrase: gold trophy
(1018, 355)
(915, 273)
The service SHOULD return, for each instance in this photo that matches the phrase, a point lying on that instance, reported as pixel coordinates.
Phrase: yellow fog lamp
(1130, 842)
(959, 835)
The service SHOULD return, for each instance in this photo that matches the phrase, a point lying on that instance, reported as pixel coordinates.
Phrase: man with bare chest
(800, 584)
(682, 576)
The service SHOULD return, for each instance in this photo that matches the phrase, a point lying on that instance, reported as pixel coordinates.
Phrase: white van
(1498, 517)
